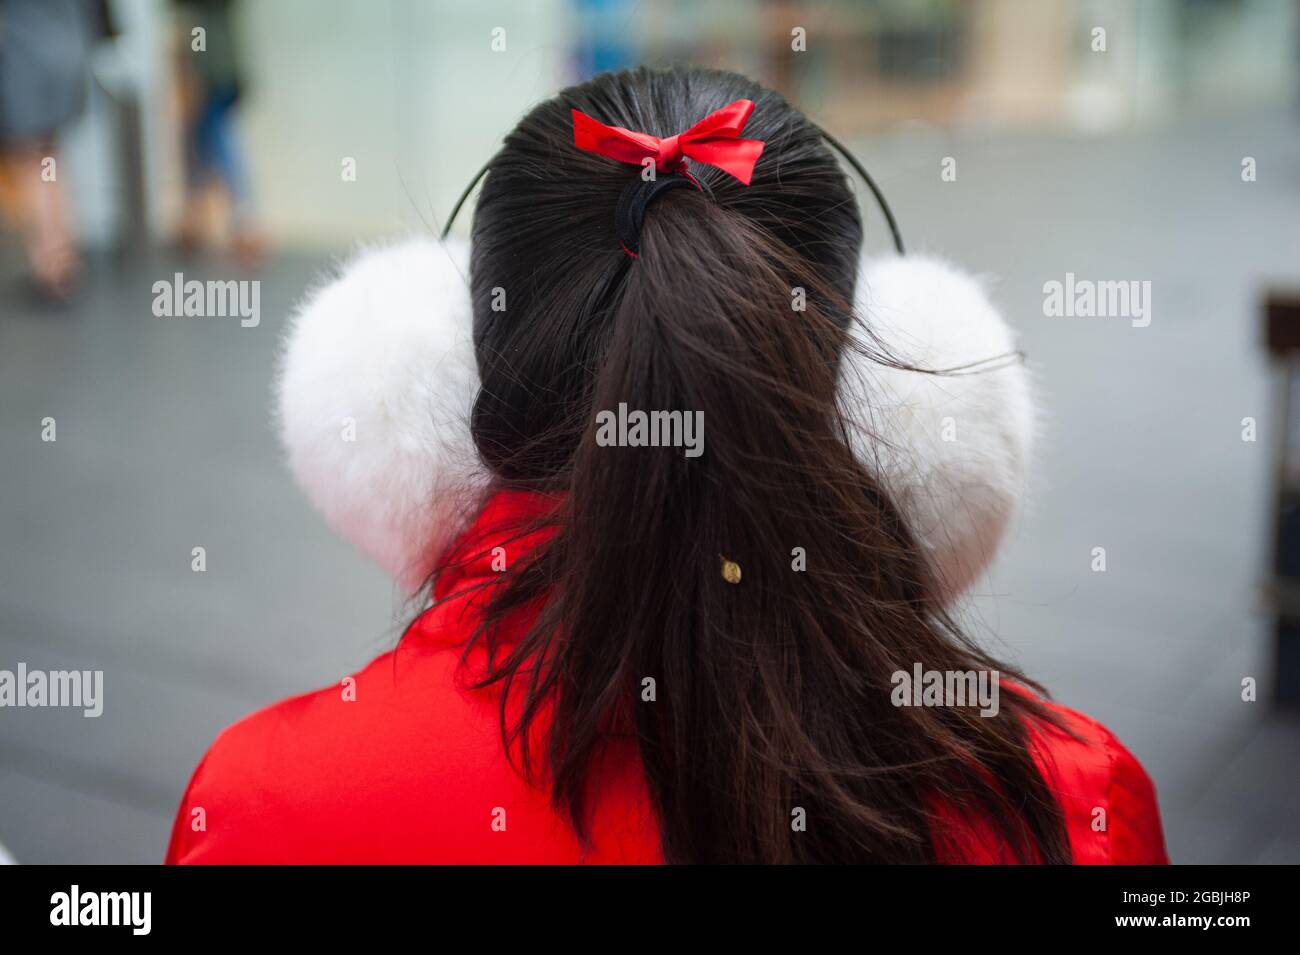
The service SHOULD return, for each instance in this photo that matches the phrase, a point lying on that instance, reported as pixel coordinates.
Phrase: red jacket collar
(510, 525)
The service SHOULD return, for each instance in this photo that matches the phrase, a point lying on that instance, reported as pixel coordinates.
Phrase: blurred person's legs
(38, 209)
(44, 47)
(216, 162)
(217, 176)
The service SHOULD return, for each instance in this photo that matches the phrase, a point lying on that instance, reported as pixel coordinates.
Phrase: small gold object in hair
(730, 571)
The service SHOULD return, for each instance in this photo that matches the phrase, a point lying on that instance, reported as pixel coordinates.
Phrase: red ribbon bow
(714, 140)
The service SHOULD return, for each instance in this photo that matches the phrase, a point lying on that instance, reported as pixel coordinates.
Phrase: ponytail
(740, 613)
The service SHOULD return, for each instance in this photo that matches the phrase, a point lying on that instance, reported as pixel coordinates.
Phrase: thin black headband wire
(446, 230)
(861, 170)
(834, 143)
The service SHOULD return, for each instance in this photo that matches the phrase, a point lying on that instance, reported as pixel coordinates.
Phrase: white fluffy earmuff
(377, 379)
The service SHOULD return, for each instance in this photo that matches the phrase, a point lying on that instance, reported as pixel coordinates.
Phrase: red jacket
(401, 763)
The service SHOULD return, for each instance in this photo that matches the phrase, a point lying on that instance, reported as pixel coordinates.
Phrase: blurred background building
(1119, 154)
(414, 91)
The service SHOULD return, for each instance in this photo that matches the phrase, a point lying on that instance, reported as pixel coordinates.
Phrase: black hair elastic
(633, 201)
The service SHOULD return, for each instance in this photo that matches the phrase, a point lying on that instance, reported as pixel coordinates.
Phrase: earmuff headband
(831, 141)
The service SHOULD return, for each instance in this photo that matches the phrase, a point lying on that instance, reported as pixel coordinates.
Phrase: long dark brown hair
(771, 697)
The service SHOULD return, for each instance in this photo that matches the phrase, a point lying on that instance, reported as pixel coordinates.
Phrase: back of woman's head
(761, 707)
